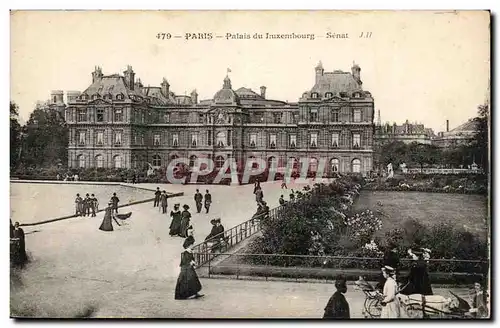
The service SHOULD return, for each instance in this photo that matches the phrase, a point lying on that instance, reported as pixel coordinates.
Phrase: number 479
(163, 36)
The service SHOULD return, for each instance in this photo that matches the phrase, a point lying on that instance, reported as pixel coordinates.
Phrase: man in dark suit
(198, 199)
(208, 200)
(157, 197)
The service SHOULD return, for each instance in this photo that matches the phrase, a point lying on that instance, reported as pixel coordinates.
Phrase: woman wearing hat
(175, 225)
(418, 279)
(188, 285)
(214, 230)
(390, 303)
(185, 221)
(337, 306)
(106, 224)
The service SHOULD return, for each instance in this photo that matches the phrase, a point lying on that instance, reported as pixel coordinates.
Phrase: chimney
(194, 97)
(447, 125)
(165, 87)
(129, 77)
(319, 71)
(263, 92)
(356, 73)
(96, 74)
(57, 97)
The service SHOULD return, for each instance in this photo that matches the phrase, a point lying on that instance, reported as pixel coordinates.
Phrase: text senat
(198, 36)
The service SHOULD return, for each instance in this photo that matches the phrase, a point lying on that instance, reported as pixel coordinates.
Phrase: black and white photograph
(328, 165)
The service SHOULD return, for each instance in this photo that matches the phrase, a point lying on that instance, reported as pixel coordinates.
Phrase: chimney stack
(263, 92)
(129, 77)
(165, 88)
(194, 97)
(447, 126)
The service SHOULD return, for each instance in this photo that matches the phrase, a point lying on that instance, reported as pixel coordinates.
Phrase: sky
(424, 67)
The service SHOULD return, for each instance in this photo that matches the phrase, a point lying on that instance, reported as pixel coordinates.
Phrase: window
(141, 139)
(100, 115)
(356, 165)
(120, 97)
(99, 161)
(118, 137)
(272, 141)
(194, 139)
(192, 160)
(335, 115)
(156, 161)
(293, 141)
(117, 160)
(293, 161)
(295, 118)
(254, 163)
(175, 140)
(229, 137)
(314, 140)
(55, 99)
(118, 115)
(357, 115)
(335, 164)
(277, 118)
(156, 139)
(328, 95)
(313, 115)
(219, 162)
(253, 139)
(94, 97)
(184, 117)
(209, 138)
(135, 162)
(335, 139)
(313, 164)
(272, 163)
(221, 139)
(356, 140)
(81, 138)
(82, 115)
(166, 118)
(314, 95)
(100, 138)
(81, 161)
(201, 119)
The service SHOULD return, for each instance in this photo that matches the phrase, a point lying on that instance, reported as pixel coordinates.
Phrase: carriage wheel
(414, 311)
(373, 307)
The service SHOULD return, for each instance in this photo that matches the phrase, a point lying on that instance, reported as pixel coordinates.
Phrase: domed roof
(226, 95)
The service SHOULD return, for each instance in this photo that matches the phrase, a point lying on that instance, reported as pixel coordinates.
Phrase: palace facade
(118, 122)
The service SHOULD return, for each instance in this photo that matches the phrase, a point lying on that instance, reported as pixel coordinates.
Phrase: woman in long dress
(390, 303)
(188, 285)
(418, 279)
(107, 224)
(175, 224)
(185, 221)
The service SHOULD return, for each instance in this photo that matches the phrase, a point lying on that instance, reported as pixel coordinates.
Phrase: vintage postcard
(250, 164)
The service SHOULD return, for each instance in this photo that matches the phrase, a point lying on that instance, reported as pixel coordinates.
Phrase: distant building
(406, 132)
(119, 123)
(461, 135)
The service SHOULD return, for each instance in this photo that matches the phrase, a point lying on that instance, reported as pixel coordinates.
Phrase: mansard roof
(336, 82)
(468, 126)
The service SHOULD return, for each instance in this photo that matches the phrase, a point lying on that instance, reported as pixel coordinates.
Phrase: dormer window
(314, 95)
(120, 96)
(328, 95)
(357, 95)
(84, 97)
(94, 97)
(304, 95)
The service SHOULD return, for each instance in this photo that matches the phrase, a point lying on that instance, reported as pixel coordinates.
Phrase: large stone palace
(118, 122)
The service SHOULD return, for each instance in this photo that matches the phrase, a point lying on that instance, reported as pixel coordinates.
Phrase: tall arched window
(117, 160)
(192, 160)
(294, 161)
(221, 139)
(272, 163)
(356, 165)
(219, 162)
(254, 164)
(81, 161)
(335, 164)
(313, 164)
(156, 160)
(99, 161)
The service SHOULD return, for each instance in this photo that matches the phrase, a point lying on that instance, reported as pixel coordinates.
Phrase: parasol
(123, 216)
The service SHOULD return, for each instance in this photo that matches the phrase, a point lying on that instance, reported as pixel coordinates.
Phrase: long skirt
(175, 226)
(391, 311)
(188, 283)
(106, 224)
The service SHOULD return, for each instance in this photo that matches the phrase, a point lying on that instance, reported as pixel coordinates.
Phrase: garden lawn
(394, 208)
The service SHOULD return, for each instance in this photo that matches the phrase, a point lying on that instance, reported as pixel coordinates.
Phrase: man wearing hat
(198, 198)
(115, 200)
(337, 307)
(208, 200)
(157, 197)
(185, 220)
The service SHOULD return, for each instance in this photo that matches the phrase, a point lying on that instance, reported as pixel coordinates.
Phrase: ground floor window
(356, 165)
(81, 161)
(99, 161)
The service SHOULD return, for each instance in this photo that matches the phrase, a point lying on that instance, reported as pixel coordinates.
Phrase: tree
(46, 140)
(480, 142)
(423, 154)
(395, 152)
(15, 135)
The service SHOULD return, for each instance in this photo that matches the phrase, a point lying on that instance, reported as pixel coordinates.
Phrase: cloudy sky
(421, 66)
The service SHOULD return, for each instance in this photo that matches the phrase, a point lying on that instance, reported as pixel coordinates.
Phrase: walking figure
(94, 205)
(86, 205)
(163, 201)
(185, 221)
(157, 197)
(282, 200)
(107, 224)
(78, 205)
(208, 200)
(283, 184)
(115, 200)
(175, 225)
(198, 199)
(188, 285)
(337, 306)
